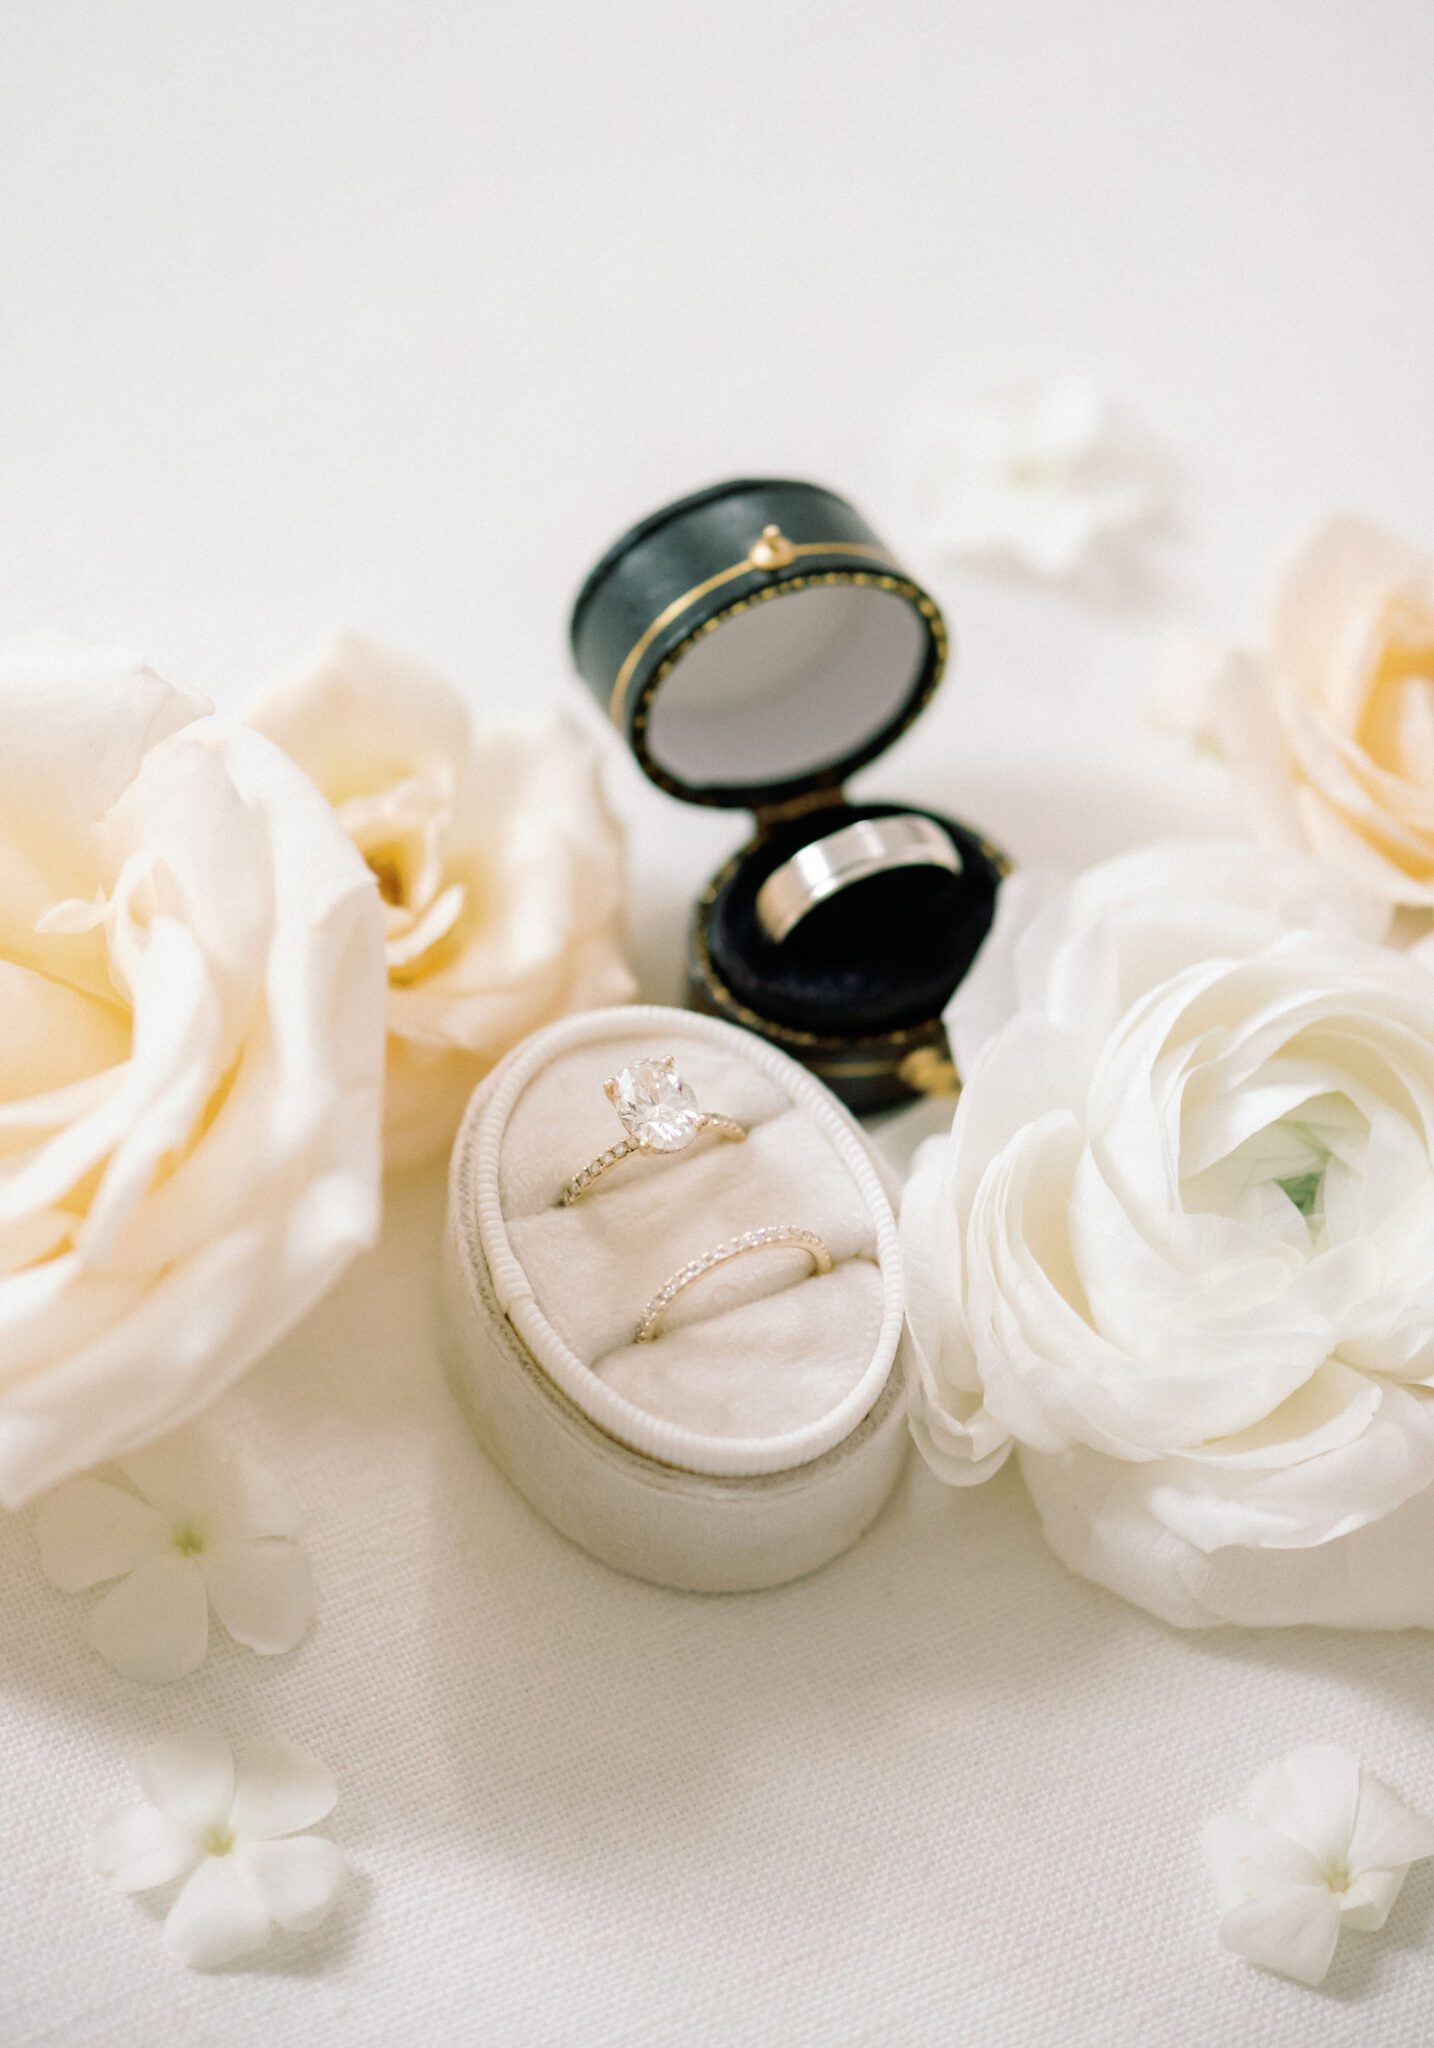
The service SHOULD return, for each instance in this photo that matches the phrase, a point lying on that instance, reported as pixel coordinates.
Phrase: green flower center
(1303, 1190)
(217, 1839)
(187, 1539)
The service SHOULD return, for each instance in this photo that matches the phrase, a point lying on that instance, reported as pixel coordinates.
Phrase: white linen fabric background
(393, 316)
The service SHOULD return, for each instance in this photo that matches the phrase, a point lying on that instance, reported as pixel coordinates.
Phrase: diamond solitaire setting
(657, 1108)
(659, 1113)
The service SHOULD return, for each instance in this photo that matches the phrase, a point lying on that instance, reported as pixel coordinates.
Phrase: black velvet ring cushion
(883, 955)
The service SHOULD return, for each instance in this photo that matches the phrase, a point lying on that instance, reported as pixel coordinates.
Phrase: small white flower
(1189, 669)
(1050, 479)
(230, 1828)
(192, 1528)
(1321, 1844)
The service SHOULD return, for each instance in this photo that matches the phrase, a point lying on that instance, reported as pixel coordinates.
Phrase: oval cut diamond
(658, 1110)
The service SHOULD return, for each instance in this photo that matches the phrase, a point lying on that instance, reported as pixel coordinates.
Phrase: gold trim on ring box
(772, 550)
(862, 579)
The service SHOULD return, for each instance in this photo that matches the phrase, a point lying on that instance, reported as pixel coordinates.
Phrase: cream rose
(1331, 730)
(498, 861)
(1177, 1247)
(191, 984)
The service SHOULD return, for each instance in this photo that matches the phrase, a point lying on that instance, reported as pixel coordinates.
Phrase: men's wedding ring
(871, 846)
(658, 1113)
(772, 1237)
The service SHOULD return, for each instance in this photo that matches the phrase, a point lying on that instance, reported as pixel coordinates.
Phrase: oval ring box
(755, 644)
(763, 1429)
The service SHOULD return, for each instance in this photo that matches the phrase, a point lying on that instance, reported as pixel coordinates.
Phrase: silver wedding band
(872, 846)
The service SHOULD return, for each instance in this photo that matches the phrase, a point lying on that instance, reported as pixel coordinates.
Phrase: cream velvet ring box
(759, 1433)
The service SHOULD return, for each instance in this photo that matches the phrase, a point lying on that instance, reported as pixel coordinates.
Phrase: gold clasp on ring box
(930, 1072)
(772, 550)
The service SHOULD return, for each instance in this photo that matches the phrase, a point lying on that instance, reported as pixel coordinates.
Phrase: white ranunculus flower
(1331, 729)
(191, 984)
(500, 866)
(1177, 1247)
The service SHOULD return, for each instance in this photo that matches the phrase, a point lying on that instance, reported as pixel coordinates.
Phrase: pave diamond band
(772, 1237)
(659, 1113)
(577, 1187)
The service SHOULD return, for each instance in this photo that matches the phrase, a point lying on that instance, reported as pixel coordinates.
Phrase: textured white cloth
(394, 318)
(942, 1791)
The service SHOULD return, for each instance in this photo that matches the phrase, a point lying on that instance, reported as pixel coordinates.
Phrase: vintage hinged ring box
(756, 644)
(762, 1430)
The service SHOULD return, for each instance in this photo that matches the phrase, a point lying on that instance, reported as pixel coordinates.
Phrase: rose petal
(262, 1592)
(1292, 1931)
(218, 1917)
(1330, 733)
(154, 1625)
(228, 1169)
(190, 1778)
(174, 1070)
(405, 950)
(135, 1847)
(299, 1880)
(89, 1531)
(351, 710)
(501, 851)
(29, 1239)
(1340, 571)
(278, 1789)
(54, 1035)
(52, 685)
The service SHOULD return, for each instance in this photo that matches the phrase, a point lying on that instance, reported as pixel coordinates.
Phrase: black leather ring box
(755, 644)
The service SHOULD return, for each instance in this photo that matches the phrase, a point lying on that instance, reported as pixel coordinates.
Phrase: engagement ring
(659, 1113)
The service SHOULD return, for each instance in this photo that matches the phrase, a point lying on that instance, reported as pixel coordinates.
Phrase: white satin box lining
(762, 1430)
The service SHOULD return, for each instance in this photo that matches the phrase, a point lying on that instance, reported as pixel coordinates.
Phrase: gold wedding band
(773, 1237)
